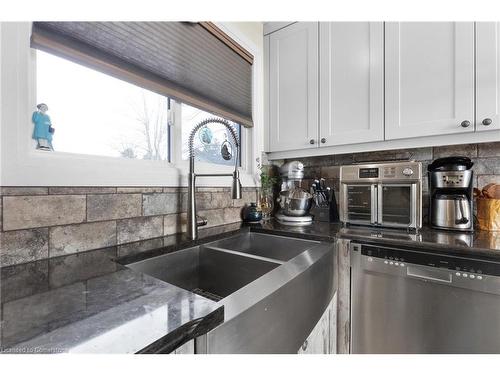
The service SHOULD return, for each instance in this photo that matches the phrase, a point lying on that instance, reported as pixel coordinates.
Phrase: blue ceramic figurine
(43, 131)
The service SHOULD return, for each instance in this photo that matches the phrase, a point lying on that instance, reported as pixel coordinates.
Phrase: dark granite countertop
(90, 302)
(478, 244)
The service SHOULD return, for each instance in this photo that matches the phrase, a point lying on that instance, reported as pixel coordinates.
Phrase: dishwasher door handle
(429, 274)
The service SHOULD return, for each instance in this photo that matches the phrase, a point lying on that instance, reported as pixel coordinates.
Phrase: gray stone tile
(330, 172)
(102, 207)
(223, 199)
(484, 180)
(486, 166)
(161, 203)
(214, 217)
(139, 228)
(23, 246)
(203, 201)
(232, 215)
(344, 159)
(488, 150)
(24, 190)
(312, 172)
(20, 212)
(246, 198)
(81, 237)
(392, 155)
(82, 190)
(139, 189)
(21, 323)
(175, 223)
(71, 269)
(140, 246)
(24, 280)
(174, 189)
(469, 151)
(212, 189)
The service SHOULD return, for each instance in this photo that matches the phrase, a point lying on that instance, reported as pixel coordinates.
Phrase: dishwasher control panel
(463, 267)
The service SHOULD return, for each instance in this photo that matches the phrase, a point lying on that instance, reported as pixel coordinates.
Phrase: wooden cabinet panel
(322, 339)
(293, 87)
(429, 76)
(488, 76)
(351, 82)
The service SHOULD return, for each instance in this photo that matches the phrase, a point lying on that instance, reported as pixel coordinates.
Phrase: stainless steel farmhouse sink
(210, 272)
(265, 245)
(273, 288)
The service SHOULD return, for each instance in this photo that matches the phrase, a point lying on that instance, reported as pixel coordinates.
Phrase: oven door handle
(380, 204)
(373, 203)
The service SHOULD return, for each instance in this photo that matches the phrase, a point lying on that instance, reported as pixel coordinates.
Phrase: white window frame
(23, 165)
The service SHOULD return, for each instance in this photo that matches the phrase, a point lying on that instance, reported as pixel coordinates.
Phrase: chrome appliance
(450, 193)
(382, 194)
(413, 301)
(295, 202)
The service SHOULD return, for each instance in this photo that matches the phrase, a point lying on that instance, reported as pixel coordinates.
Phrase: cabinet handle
(311, 141)
(323, 140)
(304, 345)
(487, 122)
(465, 124)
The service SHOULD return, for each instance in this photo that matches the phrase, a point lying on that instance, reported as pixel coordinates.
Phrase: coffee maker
(295, 202)
(451, 194)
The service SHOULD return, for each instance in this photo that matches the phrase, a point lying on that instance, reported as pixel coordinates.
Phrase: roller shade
(184, 61)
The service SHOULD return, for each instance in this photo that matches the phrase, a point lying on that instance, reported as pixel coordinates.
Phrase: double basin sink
(258, 278)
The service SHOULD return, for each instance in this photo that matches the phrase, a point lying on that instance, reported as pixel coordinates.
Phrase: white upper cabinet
(293, 87)
(351, 82)
(487, 76)
(429, 70)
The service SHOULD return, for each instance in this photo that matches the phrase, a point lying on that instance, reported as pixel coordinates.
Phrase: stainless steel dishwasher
(411, 301)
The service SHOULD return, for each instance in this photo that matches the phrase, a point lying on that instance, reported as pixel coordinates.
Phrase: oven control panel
(403, 171)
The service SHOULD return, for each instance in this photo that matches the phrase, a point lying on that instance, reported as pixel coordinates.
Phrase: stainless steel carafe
(450, 191)
(451, 211)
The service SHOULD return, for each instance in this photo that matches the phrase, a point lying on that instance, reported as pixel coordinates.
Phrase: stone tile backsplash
(46, 222)
(486, 158)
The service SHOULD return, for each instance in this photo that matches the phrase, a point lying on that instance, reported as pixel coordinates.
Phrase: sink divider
(258, 257)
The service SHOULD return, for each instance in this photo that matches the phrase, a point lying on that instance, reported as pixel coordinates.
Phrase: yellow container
(488, 214)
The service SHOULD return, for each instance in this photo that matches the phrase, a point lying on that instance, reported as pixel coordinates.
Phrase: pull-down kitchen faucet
(193, 221)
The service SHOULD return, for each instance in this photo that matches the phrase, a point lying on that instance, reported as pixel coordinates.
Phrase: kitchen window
(99, 161)
(213, 143)
(96, 114)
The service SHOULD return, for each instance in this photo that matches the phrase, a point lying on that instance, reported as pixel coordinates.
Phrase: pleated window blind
(194, 63)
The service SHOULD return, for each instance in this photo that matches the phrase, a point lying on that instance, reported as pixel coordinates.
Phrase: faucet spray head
(236, 186)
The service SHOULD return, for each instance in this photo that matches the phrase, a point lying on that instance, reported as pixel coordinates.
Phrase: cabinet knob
(311, 141)
(465, 124)
(487, 122)
(323, 140)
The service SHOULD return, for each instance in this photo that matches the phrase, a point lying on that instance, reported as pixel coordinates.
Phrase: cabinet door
(323, 337)
(429, 77)
(351, 82)
(487, 76)
(293, 87)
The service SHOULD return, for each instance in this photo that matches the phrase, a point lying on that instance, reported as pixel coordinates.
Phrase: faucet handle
(201, 221)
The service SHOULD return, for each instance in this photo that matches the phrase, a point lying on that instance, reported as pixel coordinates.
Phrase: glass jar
(266, 203)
